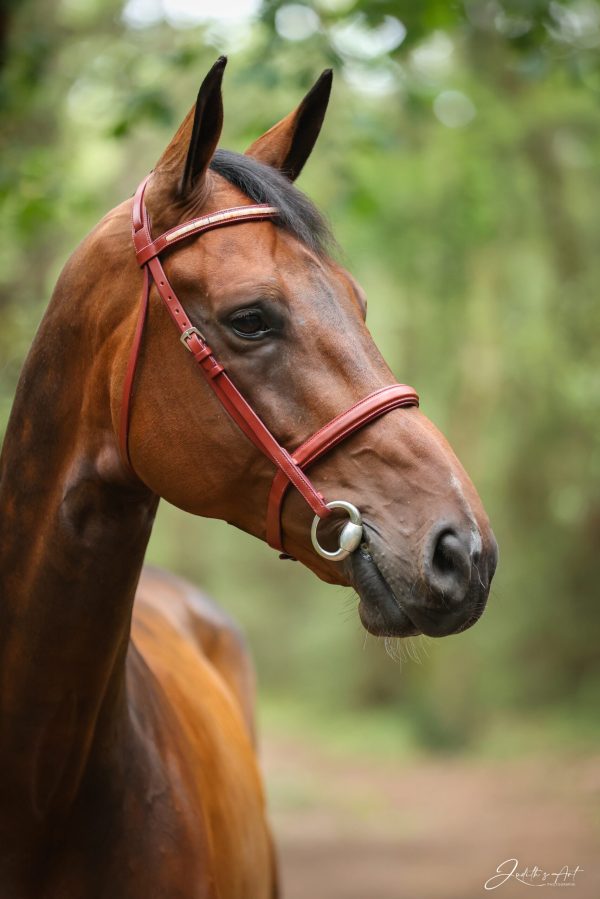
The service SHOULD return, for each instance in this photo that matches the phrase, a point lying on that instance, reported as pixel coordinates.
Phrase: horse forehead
(259, 253)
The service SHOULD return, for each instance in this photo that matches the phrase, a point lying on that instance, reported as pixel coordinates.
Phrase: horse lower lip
(379, 611)
(436, 625)
(384, 615)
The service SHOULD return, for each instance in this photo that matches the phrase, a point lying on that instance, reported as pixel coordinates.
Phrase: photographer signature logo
(532, 876)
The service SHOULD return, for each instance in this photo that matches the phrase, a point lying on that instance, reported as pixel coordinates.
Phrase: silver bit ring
(350, 535)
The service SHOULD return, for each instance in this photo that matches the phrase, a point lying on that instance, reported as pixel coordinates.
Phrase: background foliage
(459, 167)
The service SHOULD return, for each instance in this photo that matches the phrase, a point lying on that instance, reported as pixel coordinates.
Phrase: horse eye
(249, 323)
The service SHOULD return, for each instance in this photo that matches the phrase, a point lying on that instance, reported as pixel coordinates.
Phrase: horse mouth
(379, 609)
(384, 613)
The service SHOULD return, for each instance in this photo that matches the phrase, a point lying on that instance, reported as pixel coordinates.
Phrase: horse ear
(287, 145)
(189, 153)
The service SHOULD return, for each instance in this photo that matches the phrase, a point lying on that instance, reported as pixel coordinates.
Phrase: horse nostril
(447, 551)
(448, 571)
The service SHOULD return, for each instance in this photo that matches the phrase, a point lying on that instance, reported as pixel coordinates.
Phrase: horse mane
(264, 184)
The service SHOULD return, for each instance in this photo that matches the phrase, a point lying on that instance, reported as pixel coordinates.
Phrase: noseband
(289, 465)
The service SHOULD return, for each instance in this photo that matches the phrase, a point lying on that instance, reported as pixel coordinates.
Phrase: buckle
(188, 333)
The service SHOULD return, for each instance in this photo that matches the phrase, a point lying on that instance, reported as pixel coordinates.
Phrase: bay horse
(126, 745)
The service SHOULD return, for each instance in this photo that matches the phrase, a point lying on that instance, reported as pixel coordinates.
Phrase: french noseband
(290, 465)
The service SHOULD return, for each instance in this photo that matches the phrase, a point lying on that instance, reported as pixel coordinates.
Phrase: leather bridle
(289, 465)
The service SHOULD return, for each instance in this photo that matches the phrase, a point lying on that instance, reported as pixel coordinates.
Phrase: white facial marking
(476, 542)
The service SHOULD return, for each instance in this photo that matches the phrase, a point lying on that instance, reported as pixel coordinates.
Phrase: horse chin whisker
(412, 647)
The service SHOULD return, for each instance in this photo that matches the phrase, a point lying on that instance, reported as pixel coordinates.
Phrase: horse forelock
(264, 184)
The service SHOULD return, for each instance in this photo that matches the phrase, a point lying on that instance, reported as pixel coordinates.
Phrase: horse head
(287, 323)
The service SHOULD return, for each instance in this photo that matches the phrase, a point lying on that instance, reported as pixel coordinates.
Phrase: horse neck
(72, 542)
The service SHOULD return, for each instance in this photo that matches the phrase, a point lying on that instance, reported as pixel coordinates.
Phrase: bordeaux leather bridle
(289, 465)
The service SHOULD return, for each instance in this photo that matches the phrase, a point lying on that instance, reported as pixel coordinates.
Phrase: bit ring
(350, 536)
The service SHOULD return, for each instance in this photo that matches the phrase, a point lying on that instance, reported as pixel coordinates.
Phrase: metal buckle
(350, 536)
(188, 333)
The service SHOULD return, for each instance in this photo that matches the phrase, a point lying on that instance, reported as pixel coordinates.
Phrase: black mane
(263, 184)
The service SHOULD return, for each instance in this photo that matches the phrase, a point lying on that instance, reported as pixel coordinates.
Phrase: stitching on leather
(394, 402)
(358, 403)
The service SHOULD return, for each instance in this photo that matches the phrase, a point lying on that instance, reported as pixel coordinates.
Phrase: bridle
(289, 465)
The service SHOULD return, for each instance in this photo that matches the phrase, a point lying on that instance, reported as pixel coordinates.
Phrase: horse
(127, 743)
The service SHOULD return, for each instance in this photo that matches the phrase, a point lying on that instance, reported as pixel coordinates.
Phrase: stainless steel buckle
(350, 535)
(188, 333)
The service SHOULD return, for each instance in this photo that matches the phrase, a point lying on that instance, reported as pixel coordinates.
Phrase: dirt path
(429, 829)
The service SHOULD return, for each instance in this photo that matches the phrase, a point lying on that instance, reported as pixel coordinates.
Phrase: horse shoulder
(197, 665)
(204, 626)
